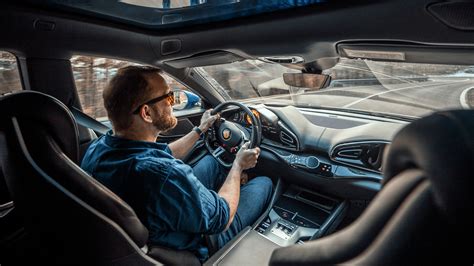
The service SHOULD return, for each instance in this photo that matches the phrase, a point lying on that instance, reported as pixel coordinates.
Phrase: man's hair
(125, 92)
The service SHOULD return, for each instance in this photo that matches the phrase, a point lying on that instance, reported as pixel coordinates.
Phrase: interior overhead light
(380, 55)
(282, 59)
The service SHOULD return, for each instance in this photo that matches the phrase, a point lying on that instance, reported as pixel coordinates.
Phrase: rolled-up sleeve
(182, 203)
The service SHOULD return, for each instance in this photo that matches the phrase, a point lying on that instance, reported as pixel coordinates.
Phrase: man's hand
(246, 158)
(230, 190)
(207, 120)
(181, 147)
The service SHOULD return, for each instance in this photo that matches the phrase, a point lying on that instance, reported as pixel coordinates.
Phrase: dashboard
(325, 144)
(274, 132)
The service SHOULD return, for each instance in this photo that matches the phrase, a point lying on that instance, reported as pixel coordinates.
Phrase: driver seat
(71, 218)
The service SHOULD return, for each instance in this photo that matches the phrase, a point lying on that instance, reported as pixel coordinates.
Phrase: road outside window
(92, 74)
(400, 89)
(9, 74)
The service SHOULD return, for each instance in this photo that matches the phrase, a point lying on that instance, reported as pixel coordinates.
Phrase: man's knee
(210, 160)
(214, 163)
(265, 186)
(264, 182)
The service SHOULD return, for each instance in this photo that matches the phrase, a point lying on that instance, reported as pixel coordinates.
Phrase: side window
(92, 74)
(9, 74)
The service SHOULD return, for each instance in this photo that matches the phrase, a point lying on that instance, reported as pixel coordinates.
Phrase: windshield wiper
(255, 88)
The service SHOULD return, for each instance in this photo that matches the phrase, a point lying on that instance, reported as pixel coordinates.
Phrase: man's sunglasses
(169, 96)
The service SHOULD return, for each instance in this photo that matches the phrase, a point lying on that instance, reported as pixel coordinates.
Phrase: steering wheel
(229, 136)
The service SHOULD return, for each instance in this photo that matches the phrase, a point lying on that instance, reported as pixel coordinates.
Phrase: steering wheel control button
(217, 152)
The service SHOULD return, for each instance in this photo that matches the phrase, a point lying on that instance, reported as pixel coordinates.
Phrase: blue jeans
(254, 196)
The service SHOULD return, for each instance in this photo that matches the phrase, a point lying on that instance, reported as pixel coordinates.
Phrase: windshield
(400, 89)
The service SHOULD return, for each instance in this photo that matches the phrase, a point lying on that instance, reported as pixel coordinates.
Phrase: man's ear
(145, 114)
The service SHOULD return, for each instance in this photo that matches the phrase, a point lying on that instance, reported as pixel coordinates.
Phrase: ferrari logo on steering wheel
(226, 134)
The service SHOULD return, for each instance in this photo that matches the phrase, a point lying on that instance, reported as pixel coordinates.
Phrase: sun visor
(205, 59)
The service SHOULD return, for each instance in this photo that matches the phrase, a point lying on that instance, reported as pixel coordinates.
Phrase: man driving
(176, 202)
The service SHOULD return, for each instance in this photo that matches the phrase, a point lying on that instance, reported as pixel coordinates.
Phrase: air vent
(350, 153)
(287, 137)
(365, 155)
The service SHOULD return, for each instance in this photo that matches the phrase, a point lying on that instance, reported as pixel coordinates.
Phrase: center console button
(284, 213)
(303, 222)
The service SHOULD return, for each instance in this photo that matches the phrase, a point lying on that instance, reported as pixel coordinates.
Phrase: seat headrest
(441, 145)
(43, 109)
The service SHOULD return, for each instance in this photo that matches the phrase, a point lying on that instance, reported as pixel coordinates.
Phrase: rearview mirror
(307, 80)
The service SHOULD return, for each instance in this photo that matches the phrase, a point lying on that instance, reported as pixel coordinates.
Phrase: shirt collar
(118, 142)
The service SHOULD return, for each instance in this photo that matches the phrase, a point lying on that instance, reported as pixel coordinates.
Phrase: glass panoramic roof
(174, 13)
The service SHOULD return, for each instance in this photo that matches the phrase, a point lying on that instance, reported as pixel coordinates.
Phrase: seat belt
(88, 122)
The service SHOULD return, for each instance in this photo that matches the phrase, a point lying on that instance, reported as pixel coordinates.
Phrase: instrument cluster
(244, 119)
(273, 130)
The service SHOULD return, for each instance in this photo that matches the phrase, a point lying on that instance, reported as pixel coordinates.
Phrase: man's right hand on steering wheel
(246, 158)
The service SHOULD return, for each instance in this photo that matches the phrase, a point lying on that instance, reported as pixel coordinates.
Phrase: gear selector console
(298, 216)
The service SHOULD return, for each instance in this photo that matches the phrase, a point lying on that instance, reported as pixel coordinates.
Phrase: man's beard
(165, 122)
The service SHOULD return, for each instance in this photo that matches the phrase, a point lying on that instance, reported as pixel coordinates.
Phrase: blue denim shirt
(173, 204)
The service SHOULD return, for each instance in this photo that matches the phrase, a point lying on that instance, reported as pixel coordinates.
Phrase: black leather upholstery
(423, 214)
(86, 137)
(33, 107)
(74, 218)
(169, 256)
(442, 146)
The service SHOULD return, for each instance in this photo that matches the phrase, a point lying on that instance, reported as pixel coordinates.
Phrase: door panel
(186, 122)
(182, 128)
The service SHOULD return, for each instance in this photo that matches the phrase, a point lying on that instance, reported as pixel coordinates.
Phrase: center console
(297, 216)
